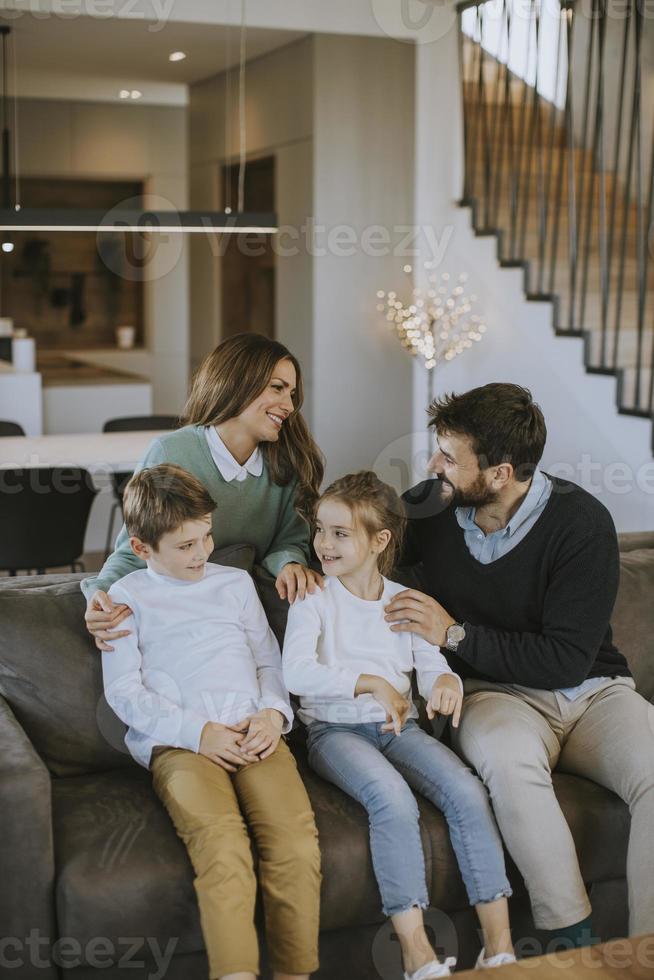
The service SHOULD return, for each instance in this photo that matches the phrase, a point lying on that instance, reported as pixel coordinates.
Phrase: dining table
(97, 452)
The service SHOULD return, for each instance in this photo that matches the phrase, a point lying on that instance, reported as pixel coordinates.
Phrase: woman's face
(266, 415)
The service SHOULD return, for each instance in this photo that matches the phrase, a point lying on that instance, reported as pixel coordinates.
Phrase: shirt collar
(230, 468)
(171, 579)
(539, 485)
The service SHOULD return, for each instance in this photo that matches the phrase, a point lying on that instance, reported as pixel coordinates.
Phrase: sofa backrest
(51, 671)
(633, 616)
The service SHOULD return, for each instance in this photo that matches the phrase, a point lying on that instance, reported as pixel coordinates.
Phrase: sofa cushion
(51, 672)
(122, 871)
(633, 616)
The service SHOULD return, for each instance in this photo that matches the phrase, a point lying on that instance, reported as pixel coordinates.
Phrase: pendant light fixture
(13, 217)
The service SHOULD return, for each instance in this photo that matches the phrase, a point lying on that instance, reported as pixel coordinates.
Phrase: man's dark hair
(503, 422)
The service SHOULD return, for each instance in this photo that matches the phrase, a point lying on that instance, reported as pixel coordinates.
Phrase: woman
(247, 442)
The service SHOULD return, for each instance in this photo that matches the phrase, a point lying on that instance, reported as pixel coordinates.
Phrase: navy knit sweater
(539, 615)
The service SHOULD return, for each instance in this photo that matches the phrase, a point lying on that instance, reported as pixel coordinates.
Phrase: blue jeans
(379, 770)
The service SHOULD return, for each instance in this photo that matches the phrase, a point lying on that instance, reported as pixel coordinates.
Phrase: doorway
(248, 263)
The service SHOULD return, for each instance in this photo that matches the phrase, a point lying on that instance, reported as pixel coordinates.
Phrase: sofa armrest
(27, 920)
(635, 540)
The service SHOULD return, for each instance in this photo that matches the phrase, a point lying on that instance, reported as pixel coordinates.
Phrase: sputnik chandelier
(436, 324)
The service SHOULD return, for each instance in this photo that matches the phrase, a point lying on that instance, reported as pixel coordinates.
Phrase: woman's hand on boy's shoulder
(446, 698)
(102, 618)
(295, 580)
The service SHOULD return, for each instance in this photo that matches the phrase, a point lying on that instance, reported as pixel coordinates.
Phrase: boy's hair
(502, 421)
(159, 499)
(376, 507)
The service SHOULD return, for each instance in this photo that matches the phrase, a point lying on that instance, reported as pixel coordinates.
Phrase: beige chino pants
(515, 736)
(212, 811)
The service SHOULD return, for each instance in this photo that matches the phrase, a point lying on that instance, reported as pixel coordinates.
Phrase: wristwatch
(454, 635)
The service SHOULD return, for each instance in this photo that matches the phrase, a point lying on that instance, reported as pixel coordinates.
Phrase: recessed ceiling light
(136, 94)
(124, 93)
(176, 56)
(7, 246)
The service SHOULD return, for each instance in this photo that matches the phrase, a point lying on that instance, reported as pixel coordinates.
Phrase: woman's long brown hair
(228, 380)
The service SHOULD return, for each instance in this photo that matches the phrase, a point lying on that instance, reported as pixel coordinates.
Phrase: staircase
(556, 170)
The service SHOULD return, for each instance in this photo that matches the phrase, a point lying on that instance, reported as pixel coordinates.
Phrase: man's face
(456, 465)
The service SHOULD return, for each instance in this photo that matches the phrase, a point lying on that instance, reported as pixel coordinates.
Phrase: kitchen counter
(62, 369)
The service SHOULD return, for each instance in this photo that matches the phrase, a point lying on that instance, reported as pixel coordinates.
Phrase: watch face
(456, 633)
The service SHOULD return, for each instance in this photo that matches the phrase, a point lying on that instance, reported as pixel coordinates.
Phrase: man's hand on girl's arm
(425, 616)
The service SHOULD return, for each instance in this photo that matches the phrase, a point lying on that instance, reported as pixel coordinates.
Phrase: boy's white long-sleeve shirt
(332, 637)
(197, 652)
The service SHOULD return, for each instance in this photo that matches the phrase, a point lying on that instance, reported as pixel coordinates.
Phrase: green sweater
(255, 511)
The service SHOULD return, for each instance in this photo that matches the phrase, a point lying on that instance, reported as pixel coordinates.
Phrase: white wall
(363, 177)
(98, 141)
(279, 124)
(337, 113)
(588, 441)
(21, 399)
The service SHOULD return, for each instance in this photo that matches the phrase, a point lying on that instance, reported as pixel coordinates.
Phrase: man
(520, 573)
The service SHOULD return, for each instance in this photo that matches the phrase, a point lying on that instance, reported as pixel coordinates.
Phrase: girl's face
(265, 416)
(341, 547)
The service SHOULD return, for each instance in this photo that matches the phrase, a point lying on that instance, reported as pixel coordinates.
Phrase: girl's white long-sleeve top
(197, 652)
(332, 637)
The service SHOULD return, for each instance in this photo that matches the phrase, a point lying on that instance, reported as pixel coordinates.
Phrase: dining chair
(11, 428)
(119, 480)
(44, 512)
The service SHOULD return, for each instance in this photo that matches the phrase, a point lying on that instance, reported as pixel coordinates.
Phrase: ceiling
(128, 53)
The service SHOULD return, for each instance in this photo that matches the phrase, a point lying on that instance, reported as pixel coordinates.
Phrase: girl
(247, 443)
(353, 677)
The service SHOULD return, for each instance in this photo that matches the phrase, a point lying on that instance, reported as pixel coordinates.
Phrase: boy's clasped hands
(251, 740)
(446, 698)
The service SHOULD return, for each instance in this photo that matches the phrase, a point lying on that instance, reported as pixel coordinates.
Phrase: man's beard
(476, 495)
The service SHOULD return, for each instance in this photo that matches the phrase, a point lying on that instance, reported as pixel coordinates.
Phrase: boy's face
(181, 553)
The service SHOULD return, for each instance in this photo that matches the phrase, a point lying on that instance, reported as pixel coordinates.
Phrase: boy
(198, 680)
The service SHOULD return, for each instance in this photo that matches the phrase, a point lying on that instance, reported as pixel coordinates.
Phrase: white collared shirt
(230, 469)
(487, 548)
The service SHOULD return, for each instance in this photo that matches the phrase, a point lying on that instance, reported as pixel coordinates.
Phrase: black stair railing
(556, 167)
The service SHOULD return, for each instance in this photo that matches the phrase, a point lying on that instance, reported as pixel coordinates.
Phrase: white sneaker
(432, 970)
(501, 959)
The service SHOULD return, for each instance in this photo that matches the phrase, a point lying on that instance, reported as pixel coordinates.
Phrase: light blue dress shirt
(487, 548)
